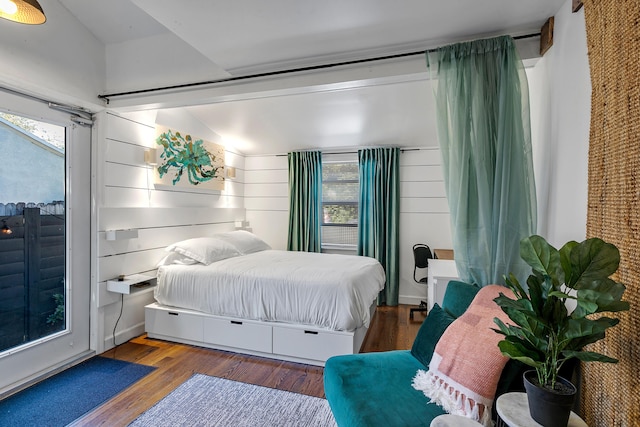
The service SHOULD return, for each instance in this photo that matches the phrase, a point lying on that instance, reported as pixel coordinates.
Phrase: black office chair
(421, 256)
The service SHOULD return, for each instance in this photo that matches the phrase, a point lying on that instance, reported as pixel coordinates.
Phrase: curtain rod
(402, 150)
(107, 96)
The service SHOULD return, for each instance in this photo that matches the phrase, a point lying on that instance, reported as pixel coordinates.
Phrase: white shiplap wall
(266, 198)
(424, 212)
(424, 215)
(126, 198)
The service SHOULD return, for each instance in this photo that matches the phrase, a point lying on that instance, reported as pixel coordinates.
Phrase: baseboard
(410, 299)
(123, 336)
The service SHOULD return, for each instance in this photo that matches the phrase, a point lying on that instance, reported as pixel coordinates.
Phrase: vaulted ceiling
(216, 39)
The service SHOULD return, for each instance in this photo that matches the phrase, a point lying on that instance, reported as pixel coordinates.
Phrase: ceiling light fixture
(22, 11)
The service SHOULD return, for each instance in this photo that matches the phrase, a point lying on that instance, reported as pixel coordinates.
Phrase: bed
(233, 292)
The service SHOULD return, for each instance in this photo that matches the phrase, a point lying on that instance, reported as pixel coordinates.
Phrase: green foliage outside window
(340, 214)
(340, 193)
(58, 314)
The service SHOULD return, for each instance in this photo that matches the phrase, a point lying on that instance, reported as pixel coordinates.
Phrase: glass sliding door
(44, 240)
(32, 237)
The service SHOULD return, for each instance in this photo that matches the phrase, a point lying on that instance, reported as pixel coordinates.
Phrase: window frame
(339, 246)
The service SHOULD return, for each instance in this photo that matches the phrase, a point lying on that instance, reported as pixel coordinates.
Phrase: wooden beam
(546, 36)
(577, 4)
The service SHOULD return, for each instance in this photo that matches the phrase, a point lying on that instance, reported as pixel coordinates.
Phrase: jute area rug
(209, 401)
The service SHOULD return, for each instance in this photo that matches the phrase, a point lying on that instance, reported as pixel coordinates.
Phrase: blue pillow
(458, 297)
(430, 332)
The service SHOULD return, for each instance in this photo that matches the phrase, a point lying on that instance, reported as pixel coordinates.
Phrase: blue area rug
(61, 399)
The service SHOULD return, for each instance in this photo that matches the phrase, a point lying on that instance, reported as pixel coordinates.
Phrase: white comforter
(332, 291)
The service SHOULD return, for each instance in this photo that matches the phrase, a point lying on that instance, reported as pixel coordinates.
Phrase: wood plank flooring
(390, 329)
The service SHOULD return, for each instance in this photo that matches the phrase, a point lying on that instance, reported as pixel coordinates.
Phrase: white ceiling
(248, 36)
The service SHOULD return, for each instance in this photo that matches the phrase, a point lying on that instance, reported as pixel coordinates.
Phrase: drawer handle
(235, 322)
(173, 313)
(311, 332)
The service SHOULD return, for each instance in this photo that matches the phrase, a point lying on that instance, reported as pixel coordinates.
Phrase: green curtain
(305, 201)
(482, 103)
(378, 214)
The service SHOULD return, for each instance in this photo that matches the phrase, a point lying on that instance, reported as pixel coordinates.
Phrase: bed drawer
(173, 323)
(238, 333)
(311, 343)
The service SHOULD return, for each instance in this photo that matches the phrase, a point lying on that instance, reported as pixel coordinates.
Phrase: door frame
(29, 363)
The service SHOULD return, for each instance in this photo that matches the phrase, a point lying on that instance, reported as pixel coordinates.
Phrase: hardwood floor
(390, 329)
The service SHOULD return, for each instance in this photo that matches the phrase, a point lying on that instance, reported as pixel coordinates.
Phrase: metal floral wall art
(188, 162)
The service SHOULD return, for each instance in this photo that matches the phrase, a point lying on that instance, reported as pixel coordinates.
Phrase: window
(340, 204)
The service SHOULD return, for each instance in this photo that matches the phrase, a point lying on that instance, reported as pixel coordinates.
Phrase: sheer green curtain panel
(379, 213)
(305, 201)
(482, 104)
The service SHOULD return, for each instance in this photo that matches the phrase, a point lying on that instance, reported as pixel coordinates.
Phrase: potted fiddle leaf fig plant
(544, 334)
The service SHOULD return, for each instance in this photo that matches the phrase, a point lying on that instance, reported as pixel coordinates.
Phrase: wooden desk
(443, 253)
(441, 271)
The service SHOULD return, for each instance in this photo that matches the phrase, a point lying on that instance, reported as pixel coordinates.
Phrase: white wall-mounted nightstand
(131, 284)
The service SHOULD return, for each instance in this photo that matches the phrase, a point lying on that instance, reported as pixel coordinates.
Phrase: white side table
(513, 410)
(449, 420)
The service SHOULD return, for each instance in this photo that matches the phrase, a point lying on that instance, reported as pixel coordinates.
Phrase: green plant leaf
(590, 356)
(582, 332)
(536, 338)
(517, 310)
(587, 306)
(519, 304)
(579, 343)
(528, 320)
(554, 312)
(528, 335)
(617, 306)
(535, 352)
(592, 260)
(605, 293)
(536, 293)
(542, 257)
(565, 259)
(518, 316)
(518, 352)
(559, 294)
(508, 330)
(512, 283)
(504, 329)
(578, 328)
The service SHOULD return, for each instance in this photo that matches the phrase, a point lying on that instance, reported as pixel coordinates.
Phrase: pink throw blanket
(466, 365)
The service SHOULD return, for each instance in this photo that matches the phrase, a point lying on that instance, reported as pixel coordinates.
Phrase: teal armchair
(374, 389)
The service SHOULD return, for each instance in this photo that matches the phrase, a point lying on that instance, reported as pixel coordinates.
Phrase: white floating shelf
(131, 233)
(128, 285)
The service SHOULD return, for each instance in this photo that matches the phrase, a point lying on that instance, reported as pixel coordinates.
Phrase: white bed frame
(283, 341)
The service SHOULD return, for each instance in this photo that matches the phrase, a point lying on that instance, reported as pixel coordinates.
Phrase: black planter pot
(548, 407)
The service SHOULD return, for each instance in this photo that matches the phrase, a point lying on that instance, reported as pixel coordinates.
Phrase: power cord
(119, 316)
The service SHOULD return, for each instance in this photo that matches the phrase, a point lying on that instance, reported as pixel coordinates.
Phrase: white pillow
(244, 241)
(176, 258)
(204, 249)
